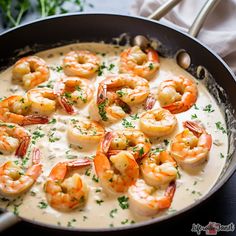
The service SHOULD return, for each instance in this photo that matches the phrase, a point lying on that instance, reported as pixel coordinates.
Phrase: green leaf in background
(14, 10)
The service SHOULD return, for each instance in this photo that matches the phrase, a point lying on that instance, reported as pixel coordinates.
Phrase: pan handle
(199, 20)
(7, 219)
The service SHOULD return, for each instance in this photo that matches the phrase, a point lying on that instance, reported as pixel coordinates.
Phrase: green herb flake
(127, 124)
(95, 179)
(222, 156)
(52, 121)
(219, 126)
(124, 221)
(195, 107)
(151, 66)
(111, 66)
(166, 142)
(123, 202)
(134, 117)
(112, 212)
(99, 202)
(194, 116)
(102, 111)
(208, 108)
(42, 205)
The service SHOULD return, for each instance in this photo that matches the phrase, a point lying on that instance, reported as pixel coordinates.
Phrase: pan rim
(149, 222)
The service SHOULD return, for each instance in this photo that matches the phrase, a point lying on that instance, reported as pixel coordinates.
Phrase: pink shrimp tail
(79, 163)
(34, 119)
(150, 102)
(106, 142)
(194, 127)
(64, 103)
(102, 93)
(152, 55)
(22, 149)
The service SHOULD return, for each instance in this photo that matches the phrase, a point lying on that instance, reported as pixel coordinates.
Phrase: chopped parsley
(124, 221)
(219, 126)
(111, 66)
(121, 93)
(166, 142)
(36, 135)
(208, 108)
(112, 212)
(151, 66)
(42, 205)
(99, 202)
(195, 107)
(88, 172)
(52, 121)
(95, 179)
(127, 124)
(123, 202)
(85, 218)
(102, 111)
(69, 223)
(193, 116)
(101, 68)
(222, 156)
(16, 210)
(141, 152)
(134, 117)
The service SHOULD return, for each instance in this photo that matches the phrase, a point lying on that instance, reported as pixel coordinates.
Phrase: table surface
(220, 208)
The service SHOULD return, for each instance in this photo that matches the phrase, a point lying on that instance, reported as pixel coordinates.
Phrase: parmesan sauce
(103, 210)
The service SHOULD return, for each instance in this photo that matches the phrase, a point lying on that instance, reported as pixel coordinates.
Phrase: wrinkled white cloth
(218, 31)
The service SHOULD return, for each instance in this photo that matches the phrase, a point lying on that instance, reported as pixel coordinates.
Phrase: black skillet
(205, 64)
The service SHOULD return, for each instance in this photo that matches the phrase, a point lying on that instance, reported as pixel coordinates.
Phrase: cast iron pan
(60, 30)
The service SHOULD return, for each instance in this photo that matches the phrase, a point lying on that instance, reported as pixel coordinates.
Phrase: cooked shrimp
(117, 173)
(84, 132)
(43, 100)
(158, 168)
(13, 138)
(12, 180)
(130, 89)
(158, 122)
(31, 71)
(14, 109)
(135, 61)
(117, 93)
(178, 94)
(191, 146)
(144, 199)
(73, 91)
(63, 193)
(131, 140)
(110, 109)
(80, 63)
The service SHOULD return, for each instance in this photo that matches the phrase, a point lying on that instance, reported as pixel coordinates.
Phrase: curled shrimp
(15, 109)
(157, 123)
(80, 63)
(66, 193)
(131, 140)
(158, 168)
(117, 93)
(130, 89)
(13, 138)
(177, 94)
(118, 172)
(110, 109)
(191, 147)
(84, 132)
(31, 71)
(144, 199)
(145, 64)
(12, 180)
(73, 91)
(43, 100)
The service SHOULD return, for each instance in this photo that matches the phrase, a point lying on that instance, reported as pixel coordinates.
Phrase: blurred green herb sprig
(13, 11)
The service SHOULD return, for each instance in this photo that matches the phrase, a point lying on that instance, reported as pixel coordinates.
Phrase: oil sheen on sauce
(103, 210)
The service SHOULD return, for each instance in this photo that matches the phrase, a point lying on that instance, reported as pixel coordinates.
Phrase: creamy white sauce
(100, 210)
